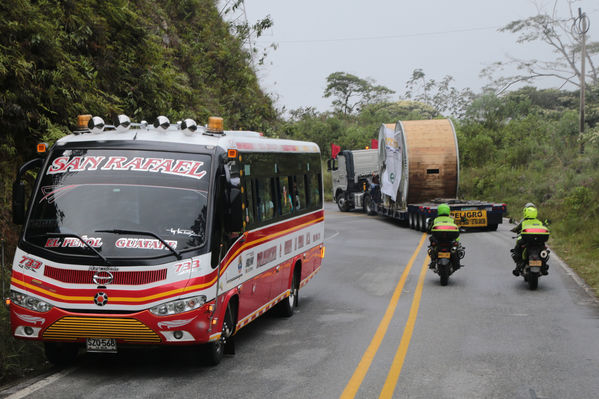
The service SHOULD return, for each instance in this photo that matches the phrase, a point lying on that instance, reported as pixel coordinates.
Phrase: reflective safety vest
(533, 226)
(444, 223)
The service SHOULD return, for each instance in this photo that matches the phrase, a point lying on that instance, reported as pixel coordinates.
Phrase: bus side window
(249, 202)
(265, 202)
(314, 189)
(319, 189)
(307, 183)
(286, 196)
(299, 192)
(274, 203)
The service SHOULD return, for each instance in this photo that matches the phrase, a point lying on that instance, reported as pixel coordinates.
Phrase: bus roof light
(215, 125)
(82, 121)
(41, 148)
(232, 153)
(96, 124)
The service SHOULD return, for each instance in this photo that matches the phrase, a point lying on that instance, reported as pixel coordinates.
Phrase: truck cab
(352, 173)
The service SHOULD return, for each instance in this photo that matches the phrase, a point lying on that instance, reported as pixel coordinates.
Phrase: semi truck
(417, 169)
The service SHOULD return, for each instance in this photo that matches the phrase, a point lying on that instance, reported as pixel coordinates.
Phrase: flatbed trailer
(467, 214)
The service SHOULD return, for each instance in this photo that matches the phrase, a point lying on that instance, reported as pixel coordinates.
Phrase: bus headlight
(29, 302)
(179, 306)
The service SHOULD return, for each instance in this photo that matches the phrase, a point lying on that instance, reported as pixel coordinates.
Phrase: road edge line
(40, 384)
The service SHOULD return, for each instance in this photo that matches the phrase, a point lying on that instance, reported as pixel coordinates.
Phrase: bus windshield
(122, 203)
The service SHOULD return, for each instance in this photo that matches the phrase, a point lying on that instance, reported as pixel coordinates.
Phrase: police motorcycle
(531, 254)
(445, 250)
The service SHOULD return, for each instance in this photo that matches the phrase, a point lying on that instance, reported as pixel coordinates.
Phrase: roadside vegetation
(142, 58)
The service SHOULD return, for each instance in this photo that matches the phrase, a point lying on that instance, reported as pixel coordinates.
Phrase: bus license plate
(473, 218)
(105, 345)
(535, 263)
(444, 255)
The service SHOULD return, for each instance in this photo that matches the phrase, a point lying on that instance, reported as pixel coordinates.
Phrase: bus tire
(287, 306)
(61, 353)
(214, 351)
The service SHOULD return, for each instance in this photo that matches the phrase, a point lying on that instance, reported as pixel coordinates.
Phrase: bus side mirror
(332, 164)
(18, 202)
(18, 190)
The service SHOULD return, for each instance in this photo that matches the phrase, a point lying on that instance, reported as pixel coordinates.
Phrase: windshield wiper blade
(144, 233)
(94, 250)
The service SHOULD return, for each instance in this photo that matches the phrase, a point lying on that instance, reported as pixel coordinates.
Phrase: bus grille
(119, 278)
(72, 328)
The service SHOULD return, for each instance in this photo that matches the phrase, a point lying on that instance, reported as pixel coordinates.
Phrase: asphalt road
(375, 322)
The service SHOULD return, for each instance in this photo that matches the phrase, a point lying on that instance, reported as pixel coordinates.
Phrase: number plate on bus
(105, 345)
(473, 218)
(444, 255)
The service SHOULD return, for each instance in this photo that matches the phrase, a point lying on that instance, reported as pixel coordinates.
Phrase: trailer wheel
(422, 219)
(342, 203)
(369, 206)
(492, 227)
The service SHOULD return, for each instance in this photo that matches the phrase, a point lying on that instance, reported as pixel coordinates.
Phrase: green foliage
(523, 147)
(443, 97)
(143, 58)
(351, 93)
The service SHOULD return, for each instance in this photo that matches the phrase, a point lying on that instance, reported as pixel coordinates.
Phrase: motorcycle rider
(529, 221)
(442, 219)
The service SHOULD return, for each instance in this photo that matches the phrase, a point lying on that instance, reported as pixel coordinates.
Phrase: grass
(567, 195)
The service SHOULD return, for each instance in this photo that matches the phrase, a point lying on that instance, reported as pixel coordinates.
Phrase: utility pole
(581, 26)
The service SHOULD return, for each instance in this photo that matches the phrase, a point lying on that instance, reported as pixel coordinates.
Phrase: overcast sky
(387, 39)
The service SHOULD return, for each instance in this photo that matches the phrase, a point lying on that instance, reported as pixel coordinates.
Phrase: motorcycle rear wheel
(533, 281)
(444, 274)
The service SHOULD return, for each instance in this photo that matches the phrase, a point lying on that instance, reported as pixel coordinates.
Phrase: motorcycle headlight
(179, 306)
(29, 302)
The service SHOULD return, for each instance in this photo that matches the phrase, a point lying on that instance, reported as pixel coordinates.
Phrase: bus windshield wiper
(143, 233)
(94, 250)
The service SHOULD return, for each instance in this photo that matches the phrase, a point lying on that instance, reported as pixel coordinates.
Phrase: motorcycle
(532, 264)
(445, 252)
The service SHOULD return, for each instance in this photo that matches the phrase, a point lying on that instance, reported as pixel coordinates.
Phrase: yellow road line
(400, 355)
(356, 380)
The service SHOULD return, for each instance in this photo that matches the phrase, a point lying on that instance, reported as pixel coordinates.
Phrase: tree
(439, 95)
(557, 33)
(352, 93)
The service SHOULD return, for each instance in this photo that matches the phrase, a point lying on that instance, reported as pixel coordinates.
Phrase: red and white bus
(163, 234)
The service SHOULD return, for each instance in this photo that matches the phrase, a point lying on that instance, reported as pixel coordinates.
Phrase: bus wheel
(288, 305)
(215, 350)
(61, 353)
